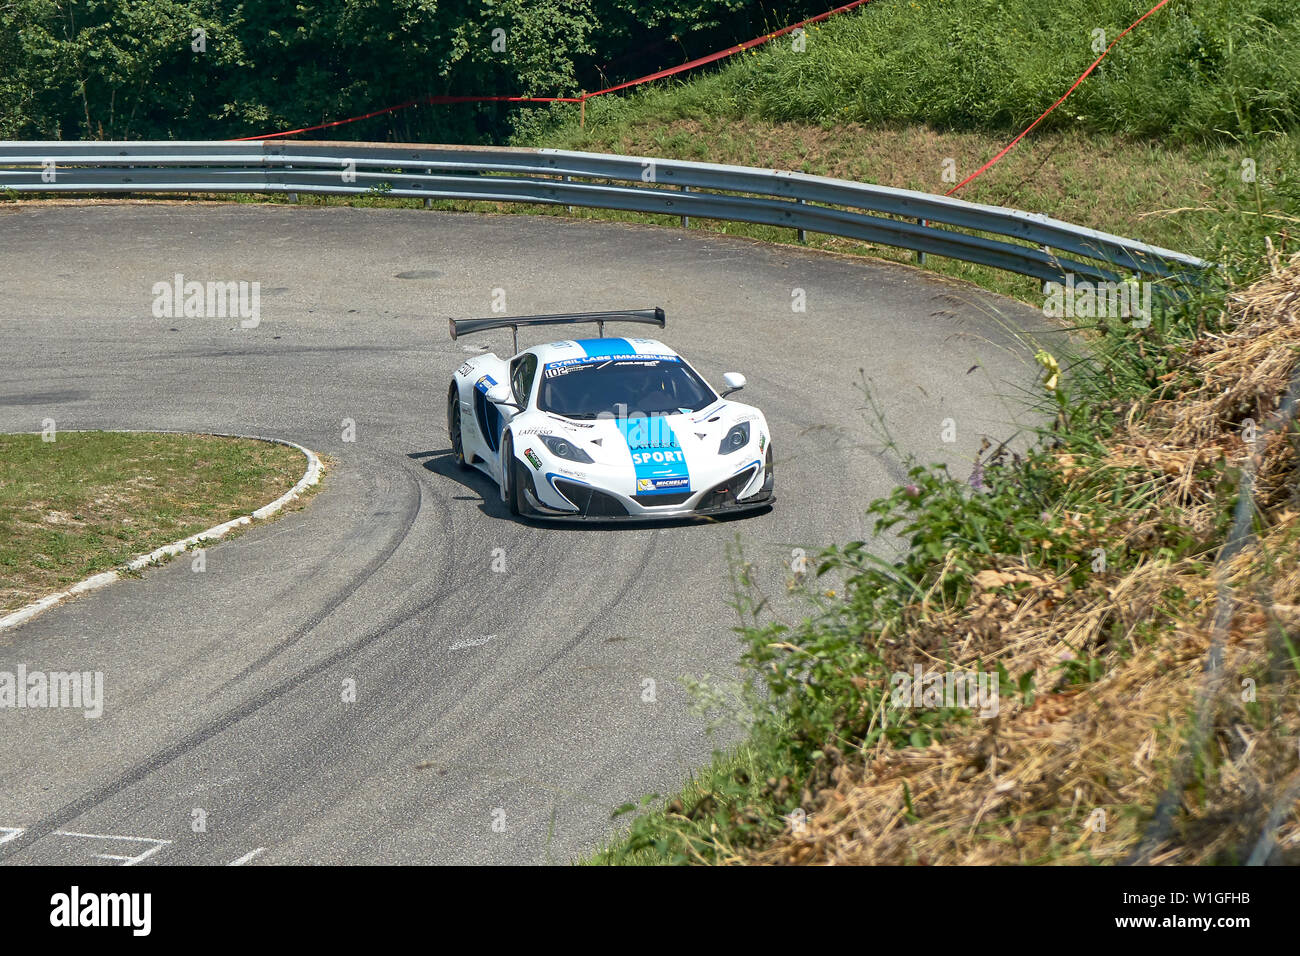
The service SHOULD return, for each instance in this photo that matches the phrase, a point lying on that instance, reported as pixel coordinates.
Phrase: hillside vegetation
(1194, 69)
(1137, 619)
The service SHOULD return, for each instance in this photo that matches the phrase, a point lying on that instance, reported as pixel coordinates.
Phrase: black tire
(514, 476)
(453, 428)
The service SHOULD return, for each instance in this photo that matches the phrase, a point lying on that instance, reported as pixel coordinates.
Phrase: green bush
(135, 69)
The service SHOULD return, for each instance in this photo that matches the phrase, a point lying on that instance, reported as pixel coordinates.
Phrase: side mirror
(500, 394)
(734, 382)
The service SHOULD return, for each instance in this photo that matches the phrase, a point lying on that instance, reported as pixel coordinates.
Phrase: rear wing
(461, 327)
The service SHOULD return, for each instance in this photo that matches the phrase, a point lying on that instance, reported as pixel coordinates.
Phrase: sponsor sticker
(569, 423)
(559, 366)
(532, 458)
(657, 457)
(660, 484)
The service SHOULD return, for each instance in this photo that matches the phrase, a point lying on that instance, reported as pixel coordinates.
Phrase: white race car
(606, 428)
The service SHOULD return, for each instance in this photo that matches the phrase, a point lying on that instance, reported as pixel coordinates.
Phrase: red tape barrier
(582, 98)
(1086, 73)
(730, 51)
(420, 102)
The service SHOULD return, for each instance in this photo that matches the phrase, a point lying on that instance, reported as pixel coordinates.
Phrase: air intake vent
(723, 494)
(589, 501)
(667, 498)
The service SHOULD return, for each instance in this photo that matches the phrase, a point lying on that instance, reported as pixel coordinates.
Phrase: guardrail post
(569, 179)
(686, 220)
(920, 256)
(803, 236)
(428, 203)
(293, 197)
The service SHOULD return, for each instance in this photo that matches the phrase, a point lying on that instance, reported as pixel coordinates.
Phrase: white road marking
(126, 860)
(462, 645)
(10, 833)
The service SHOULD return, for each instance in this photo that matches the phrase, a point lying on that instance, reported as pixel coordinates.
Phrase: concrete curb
(310, 477)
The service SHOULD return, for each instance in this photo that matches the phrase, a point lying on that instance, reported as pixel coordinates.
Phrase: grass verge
(90, 501)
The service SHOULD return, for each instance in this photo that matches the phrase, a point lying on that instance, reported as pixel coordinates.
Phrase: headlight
(563, 448)
(736, 439)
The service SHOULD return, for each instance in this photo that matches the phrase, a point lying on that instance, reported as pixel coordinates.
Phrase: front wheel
(453, 428)
(513, 478)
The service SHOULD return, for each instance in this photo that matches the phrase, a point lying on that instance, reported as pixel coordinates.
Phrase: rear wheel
(453, 427)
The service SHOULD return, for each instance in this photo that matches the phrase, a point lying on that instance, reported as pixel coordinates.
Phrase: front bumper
(600, 504)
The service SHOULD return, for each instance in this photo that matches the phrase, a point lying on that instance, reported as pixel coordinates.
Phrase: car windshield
(651, 385)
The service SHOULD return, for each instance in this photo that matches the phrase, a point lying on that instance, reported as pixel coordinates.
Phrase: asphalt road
(499, 716)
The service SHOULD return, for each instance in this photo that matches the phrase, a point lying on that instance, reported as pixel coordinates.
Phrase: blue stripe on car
(598, 348)
(657, 455)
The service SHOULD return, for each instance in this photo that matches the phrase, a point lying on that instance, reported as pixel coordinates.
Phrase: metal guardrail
(1047, 249)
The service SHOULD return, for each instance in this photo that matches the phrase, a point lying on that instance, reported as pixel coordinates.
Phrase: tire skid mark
(535, 540)
(337, 744)
(336, 747)
(318, 617)
(634, 579)
(202, 735)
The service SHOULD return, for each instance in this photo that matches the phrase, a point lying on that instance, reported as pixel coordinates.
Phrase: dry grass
(1025, 786)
